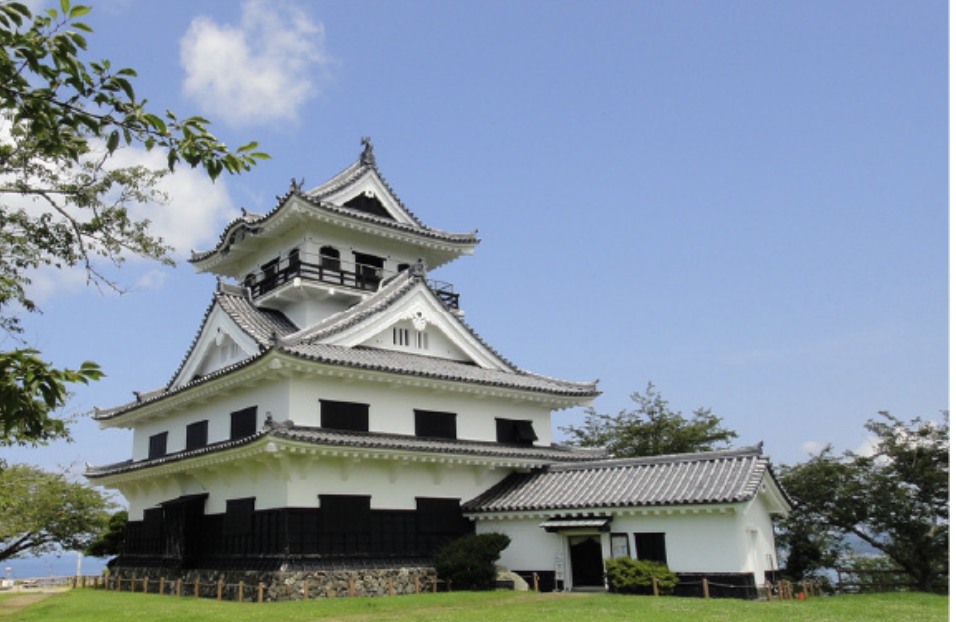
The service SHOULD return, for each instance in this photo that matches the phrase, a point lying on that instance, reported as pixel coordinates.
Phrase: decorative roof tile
(732, 476)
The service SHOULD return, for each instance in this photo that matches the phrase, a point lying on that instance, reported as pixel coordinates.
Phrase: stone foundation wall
(278, 585)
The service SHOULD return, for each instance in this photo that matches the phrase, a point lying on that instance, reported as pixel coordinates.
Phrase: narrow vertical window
(242, 423)
(157, 445)
(197, 435)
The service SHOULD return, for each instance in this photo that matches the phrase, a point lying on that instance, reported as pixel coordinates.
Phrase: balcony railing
(333, 271)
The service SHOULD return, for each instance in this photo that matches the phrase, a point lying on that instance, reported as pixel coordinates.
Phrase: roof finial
(367, 158)
(296, 186)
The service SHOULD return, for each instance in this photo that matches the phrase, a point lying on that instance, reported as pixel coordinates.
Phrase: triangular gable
(221, 342)
(367, 192)
(413, 320)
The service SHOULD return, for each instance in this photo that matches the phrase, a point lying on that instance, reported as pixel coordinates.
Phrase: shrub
(469, 562)
(630, 576)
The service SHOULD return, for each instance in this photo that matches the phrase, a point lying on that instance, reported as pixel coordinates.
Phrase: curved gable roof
(319, 200)
(732, 476)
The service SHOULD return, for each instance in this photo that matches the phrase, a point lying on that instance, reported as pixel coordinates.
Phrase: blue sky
(744, 202)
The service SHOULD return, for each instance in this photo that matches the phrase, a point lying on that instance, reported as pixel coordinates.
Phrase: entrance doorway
(587, 562)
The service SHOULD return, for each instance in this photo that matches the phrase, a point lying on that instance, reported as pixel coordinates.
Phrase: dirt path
(12, 605)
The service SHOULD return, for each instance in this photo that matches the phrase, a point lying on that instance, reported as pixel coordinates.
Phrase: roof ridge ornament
(367, 158)
(296, 186)
(417, 270)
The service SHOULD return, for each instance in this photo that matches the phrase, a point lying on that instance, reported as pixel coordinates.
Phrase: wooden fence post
(162, 585)
(305, 590)
(145, 585)
(706, 588)
(351, 587)
(179, 588)
(219, 590)
(767, 586)
(654, 586)
(418, 585)
(261, 586)
(435, 584)
(242, 588)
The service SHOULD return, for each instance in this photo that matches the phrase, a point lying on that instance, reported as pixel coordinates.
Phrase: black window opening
(368, 270)
(344, 514)
(330, 258)
(157, 445)
(650, 547)
(347, 416)
(515, 431)
(270, 272)
(294, 262)
(242, 423)
(239, 516)
(197, 435)
(434, 424)
(439, 516)
(370, 204)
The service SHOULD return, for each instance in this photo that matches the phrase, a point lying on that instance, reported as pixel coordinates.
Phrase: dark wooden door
(587, 562)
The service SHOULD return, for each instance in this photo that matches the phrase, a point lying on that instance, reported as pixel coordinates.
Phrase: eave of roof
(727, 477)
(253, 224)
(276, 338)
(370, 445)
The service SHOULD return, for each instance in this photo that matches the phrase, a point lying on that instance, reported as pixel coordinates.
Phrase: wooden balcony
(355, 276)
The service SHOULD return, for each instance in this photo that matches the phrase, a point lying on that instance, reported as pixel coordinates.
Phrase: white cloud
(196, 209)
(262, 71)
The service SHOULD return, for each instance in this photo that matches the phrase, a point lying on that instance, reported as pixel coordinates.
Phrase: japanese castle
(335, 416)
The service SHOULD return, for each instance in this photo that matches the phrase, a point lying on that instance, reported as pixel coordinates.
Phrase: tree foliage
(42, 512)
(468, 562)
(651, 429)
(63, 199)
(895, 499)
(111, 541)
(631, 576)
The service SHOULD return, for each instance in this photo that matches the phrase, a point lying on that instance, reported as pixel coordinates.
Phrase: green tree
(110, 542)
(63, 201)
(651, 429)
(895, 498)
(41, 512)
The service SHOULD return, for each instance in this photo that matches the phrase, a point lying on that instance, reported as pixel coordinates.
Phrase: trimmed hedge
(469, 562)
(631, 576)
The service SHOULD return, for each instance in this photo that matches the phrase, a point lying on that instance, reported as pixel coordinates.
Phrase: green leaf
(113, 141)
(79, 11)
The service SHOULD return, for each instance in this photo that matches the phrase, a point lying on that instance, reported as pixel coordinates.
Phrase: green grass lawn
(96, 606)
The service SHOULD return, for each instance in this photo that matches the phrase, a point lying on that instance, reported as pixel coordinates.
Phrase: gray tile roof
(252, 224)
(274, 332)
(367, 441)
(731, 476)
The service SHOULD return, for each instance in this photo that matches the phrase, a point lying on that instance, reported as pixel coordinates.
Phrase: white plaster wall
(391, 485)
(279, 480)
(272, 397)
(391, 408)
(438, 344)
(701, 542)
